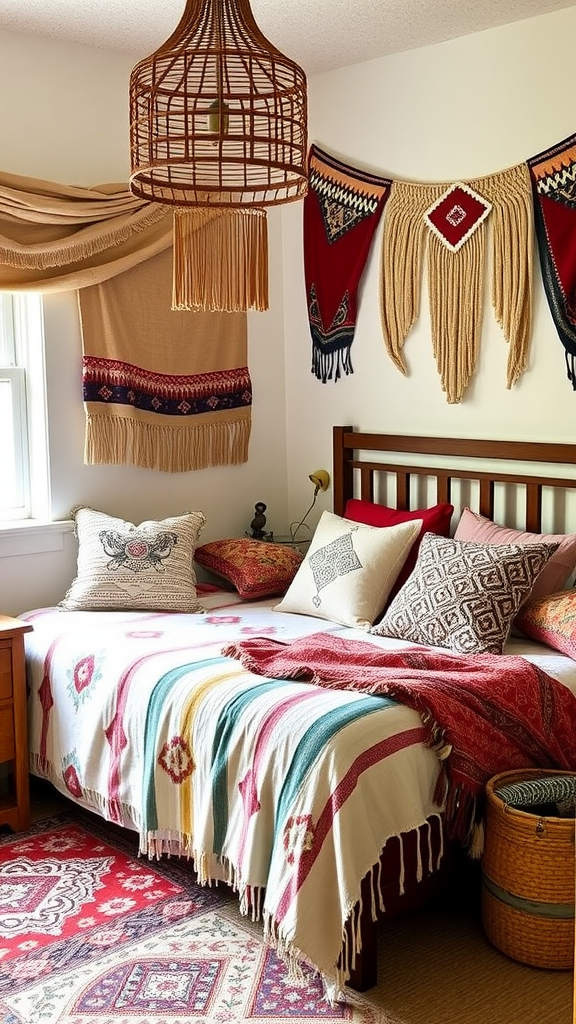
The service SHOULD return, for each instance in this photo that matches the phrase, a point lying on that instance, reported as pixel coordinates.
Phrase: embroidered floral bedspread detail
(261, 782)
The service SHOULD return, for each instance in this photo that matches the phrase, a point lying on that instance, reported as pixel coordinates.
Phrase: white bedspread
(285, 790)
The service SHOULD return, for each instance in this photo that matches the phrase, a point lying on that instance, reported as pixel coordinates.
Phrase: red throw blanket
(484, 714)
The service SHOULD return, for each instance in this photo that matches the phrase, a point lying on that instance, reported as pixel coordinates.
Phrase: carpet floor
(130, 942)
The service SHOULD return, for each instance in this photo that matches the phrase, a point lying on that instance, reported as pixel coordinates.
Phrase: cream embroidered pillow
(462, 595)
(121, 565)
(349, 570)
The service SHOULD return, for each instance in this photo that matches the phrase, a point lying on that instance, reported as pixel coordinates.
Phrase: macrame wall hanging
(452, 219)
(553, 174)
(342, 210)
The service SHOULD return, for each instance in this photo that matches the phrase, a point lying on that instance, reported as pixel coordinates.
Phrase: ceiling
(320, 34)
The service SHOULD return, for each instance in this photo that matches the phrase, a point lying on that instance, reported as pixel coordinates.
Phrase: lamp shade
(218, 115)
(321, 479)
(218, 130)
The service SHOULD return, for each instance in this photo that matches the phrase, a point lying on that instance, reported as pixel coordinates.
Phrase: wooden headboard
(356, 472)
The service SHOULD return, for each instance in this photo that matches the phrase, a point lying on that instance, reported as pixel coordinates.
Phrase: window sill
(32, 537)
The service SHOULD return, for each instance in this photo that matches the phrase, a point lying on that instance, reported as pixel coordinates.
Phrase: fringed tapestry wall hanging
(553, 175)
(165, 390)
(342, 210)
(451, 220)
(162, 389)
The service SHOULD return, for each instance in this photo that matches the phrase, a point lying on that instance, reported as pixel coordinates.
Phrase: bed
(320, 805)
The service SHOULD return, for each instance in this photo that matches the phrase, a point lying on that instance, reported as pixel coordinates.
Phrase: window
(24, 478)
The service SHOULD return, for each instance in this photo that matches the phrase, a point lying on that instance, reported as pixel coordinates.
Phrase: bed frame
(368, 465)
(352, 466)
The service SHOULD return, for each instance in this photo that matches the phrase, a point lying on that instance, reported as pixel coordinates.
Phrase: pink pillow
(473, 526)
(256, 568)
(551, 620)
(434, 520)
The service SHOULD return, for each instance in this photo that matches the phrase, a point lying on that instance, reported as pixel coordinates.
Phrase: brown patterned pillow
(462, 595)
(121, 565)
(256, 568)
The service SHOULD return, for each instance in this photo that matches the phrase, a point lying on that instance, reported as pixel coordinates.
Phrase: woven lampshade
(218, 128)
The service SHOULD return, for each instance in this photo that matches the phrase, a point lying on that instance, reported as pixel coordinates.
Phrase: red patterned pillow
(256, 568)
(551, 620)
(434, 520)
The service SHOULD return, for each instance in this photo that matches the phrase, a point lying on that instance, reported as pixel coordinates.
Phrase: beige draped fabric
(60, 237)
(164, 390)
(455, 279)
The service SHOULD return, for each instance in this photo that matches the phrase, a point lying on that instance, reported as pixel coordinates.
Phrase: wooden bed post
(342, 475)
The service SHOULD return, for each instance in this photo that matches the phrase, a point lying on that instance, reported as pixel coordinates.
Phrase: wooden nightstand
(14, 788)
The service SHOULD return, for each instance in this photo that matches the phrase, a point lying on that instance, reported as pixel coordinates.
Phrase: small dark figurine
(259, 522)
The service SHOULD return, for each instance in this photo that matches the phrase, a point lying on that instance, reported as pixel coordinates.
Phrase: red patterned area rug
(92, 934)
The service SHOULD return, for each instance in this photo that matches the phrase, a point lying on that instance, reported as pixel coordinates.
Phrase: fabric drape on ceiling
(61, 237)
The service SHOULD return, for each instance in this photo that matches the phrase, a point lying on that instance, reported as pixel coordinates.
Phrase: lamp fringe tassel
(220, 259)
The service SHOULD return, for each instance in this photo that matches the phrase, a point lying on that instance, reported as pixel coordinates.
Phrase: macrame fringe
(510, 193)
(122, 441)
(220, 261)
(455, 285)
(402, 254)
(455, 279)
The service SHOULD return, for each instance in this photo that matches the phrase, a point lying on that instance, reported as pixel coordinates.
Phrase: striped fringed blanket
(484, 713)
(449, 222)
(342, 209)
(163, 389)
(554, 192)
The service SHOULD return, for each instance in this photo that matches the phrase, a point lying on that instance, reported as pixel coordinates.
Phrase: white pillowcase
(121, 565)
(349, 570)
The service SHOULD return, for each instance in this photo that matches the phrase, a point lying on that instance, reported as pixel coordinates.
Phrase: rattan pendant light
(218, 130)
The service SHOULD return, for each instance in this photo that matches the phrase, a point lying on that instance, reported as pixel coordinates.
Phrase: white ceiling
(320, 34)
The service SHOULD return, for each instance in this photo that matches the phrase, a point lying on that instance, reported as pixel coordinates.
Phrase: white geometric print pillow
(121, 565)
(349, 570)
(463, 595)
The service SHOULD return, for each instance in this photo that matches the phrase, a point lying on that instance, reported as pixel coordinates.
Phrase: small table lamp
(321, 480)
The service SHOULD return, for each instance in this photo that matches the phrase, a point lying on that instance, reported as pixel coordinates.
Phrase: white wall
(64, 117)
(461, 109)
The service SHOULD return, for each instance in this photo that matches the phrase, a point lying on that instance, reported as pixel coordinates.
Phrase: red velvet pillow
(434, 520)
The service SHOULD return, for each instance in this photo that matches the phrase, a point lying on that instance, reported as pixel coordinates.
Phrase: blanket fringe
(121, 814)
(210, 870)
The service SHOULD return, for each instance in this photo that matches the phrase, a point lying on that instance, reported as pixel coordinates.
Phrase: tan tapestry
(451, 220)
(164, 390)
(167, 390)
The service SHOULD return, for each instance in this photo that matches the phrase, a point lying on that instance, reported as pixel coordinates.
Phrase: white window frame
(22, 362)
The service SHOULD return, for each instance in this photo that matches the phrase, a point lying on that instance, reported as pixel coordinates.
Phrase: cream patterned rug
(92, 934)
